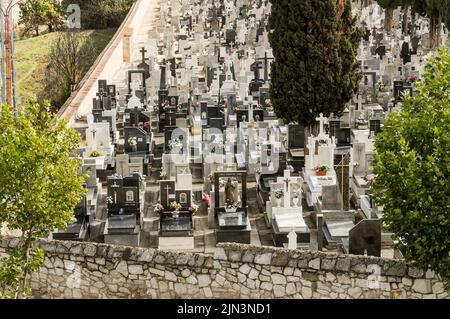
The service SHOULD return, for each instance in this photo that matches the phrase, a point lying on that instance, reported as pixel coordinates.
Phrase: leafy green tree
(39, 187)
(35, 13)
(315, 69)
(412, 165)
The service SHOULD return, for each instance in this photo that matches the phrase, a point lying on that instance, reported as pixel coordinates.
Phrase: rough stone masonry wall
(90, 270)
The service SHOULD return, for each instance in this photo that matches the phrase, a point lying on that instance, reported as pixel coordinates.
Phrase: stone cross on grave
(94, 139)
(167, 189)
(292, 239)
(170, 113)
(266, 66)
(287, 194)
(115, 186)
(322, 120)
(143, 51)
(100, 95)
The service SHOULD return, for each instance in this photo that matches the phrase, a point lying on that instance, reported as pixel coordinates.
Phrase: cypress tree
(315, 70)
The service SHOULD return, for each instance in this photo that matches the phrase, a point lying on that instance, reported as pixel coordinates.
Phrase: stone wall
(90, 270)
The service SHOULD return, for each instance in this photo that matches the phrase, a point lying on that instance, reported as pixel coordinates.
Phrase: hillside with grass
(31, 59)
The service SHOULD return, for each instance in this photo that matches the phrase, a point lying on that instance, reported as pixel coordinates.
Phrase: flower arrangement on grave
(211, 178)
(193, 209)
(147, 124)
(231, 204)
(381, 85)
(163, 174)
(175, 206)
(175, 143)
(361, 121)
(321, 170)
(222, 183)
(369, 179)
(279, 194)
(290, 168)
(412, 79)
(159, 209)
(132, 141)
(95, 154)
(206, 199)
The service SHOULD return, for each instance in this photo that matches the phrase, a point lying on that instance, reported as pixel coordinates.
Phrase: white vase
(278, 201)
(295, 200)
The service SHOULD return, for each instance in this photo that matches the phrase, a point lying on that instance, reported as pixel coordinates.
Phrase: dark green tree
(389, 6)
(315, 69)
(438, 11)
(412, 167)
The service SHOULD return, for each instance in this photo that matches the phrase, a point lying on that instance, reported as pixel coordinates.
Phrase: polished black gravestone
(180, 226)
(232, 225)
(365, 238)
(78, 230)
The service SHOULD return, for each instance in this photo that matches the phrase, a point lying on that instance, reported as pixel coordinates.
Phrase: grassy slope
(31, 58)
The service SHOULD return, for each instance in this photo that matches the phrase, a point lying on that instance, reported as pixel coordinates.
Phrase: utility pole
(7, 38)
(2, 52)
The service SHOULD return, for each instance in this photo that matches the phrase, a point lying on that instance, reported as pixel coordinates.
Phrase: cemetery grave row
(203, 90)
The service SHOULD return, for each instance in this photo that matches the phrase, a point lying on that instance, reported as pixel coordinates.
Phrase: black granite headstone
(365, 238)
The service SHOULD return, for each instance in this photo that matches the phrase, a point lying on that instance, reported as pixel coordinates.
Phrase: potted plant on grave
(193, 209)
(270, 109)
(163, 174)
(95, 154)
(132, 141)
(206, 199)
(279, 194)
(231, 206)
(176, 209)
(321, 170)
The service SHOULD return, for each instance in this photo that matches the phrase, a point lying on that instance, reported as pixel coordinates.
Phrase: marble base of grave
(232, 228)
(74, 232)
(176, 243)
(146, 161)
(284, 220)
(336, 233)
(314, 186)
(122, 230)
(359, 186)
(263, 186)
